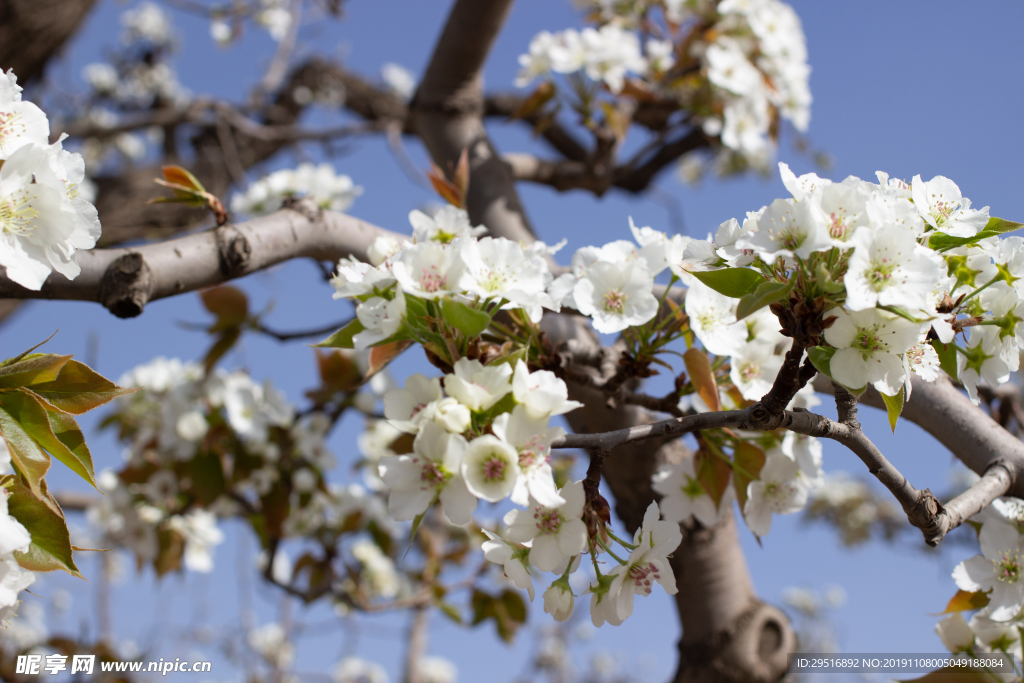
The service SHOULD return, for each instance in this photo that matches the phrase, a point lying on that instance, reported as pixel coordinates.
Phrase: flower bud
(558, 600)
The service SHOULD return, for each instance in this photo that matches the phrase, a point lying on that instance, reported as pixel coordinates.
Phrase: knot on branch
(928, 515)
(764, 419)
(755, 648)
(304, 206)
(124, 289)
(235, 253)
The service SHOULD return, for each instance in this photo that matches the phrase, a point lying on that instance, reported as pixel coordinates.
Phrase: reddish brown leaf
(713, 474)
(698, 366)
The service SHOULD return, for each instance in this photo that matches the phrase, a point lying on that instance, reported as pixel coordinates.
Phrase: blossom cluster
(44, 219)
(750, 55)
(272, 15)
(222, 427)
(326, 187)
(994, 583)
(409, 283)
(13, 537)
(885, 275)
(139, 74)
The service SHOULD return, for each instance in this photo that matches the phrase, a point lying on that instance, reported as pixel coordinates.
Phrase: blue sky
(910, 88)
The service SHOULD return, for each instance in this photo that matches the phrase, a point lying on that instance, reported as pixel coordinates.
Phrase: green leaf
(342, 339)
(30, 461)
(207, 477)
(511, 358)
(766, 293)
(50, 548)
(33, 417)
(467, 320)
(33, 369)
(894, 406)
(21, 355)
(947, 357)
(450, 611)
(821, 359)
(78, 389)
(940, 241)
(65, 428)
(732, 282)
(514, 606)
(1001, 225)
(224, 342)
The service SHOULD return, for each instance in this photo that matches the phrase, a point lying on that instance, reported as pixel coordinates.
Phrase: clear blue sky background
(912, 87)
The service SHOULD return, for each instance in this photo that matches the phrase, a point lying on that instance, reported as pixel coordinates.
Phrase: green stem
(609, 550)
(624, 544)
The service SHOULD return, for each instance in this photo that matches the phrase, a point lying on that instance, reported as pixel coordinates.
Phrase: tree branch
(125, 280)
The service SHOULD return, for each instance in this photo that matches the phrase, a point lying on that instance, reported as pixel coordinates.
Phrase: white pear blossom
(531, 437)
(713, 320)
(786, 229)
(923, 360)
(354, 279)
(558, 600)
(998, 568)
(199, 528)
(476, 386)
(729, 68)
(753, 369)
(378, 571)
(542, 393)
(356, 670)
(432, 471)
(556, 534)
(429, 270)
(13, 536)
(383, 248)
(616, 295)
(252, 408)
(683, 497)
(498, 268)
(889, 268)
(444, 226)
(806, 451)
(13, 580)
(745, 126)
(980, 360)
(944, 208)
(490, 467)
(21, 121)
(437, 670)
(955, 633)
(403, 407)
(513, 560)
(399, 80)
(660, 55)
(322, 183)
(658, 250)
(869, 344)
(381, 319)
(646, 564)
(802, 186)
(780, 491)
(43, 222)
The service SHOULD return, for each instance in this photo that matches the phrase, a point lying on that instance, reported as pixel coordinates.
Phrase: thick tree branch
(32, 32)
(125, 280)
